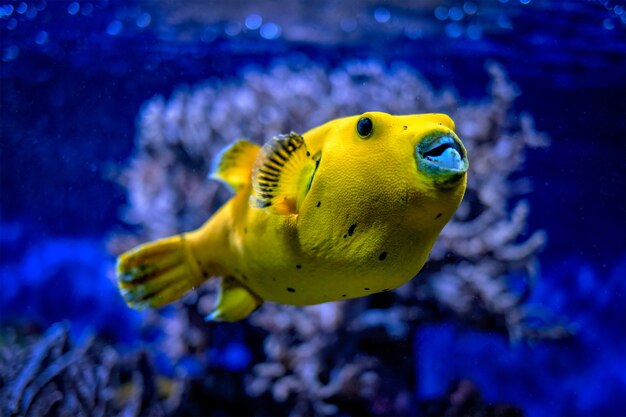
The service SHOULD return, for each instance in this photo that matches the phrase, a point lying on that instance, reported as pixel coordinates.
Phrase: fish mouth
(443, 157)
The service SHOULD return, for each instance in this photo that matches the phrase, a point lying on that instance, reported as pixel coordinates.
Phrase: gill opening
(317, 158)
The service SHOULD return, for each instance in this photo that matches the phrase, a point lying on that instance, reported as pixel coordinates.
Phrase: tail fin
(157, 273)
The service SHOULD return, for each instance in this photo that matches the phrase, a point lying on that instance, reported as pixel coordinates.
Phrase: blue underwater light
(112, 111)
(56, 279)
(541, 377)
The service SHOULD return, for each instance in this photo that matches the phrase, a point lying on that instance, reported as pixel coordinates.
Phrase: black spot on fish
(344, 295)
(345, 236)
(405, 127)
(245, 230)
(351, 229)
(291, 289)
(298, 266)
(366, 289)
(382, 256)
(319, 203)
(205, 274)
(438, 216)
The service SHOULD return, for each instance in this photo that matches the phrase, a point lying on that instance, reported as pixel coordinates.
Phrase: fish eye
(364, 127)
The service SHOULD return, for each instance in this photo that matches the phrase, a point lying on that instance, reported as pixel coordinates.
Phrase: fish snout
(442, 157)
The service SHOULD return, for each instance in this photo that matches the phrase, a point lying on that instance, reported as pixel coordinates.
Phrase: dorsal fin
(233, 165)
(282, 174)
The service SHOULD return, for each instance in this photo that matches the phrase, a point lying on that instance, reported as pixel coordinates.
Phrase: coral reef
(546, 378)
(485, 243)
(462, 398)
(333, 358)
(51, 376)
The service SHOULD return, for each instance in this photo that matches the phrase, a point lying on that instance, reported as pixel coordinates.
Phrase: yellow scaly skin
(366, 225)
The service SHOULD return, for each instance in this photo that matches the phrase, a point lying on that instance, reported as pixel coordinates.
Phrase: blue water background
(74, 75)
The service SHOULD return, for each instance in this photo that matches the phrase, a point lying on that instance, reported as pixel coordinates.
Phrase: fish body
(348, 209)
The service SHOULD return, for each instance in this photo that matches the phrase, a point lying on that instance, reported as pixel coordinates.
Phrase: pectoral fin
(235, 302)
(282, 174)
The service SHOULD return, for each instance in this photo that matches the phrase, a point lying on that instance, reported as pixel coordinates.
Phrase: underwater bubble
(73, 8)
(232, 28)
(348, 24)
(608, 24)
(382, 15)
(11, 53)
(143, 20)
(474, 32)
(41, 5)
(470, 8)
(41, 38)
(454, 30)
(441, 13)
(31, 14)
(12, 24)
(253, 21)
(270, 31)
(456, 14)
(115, 27)
(87, 9)
(618, 10)
(504, 22)
(413, 32)
(6, 10)
(21, 8)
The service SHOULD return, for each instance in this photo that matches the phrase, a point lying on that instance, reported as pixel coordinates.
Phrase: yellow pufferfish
(348, 209)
